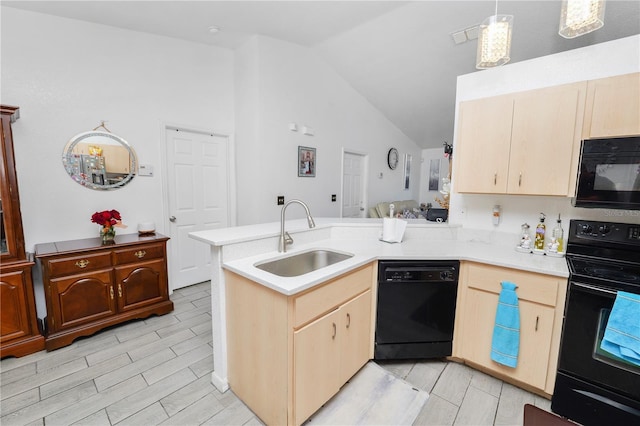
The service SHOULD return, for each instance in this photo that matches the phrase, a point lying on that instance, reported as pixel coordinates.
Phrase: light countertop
(366, 250)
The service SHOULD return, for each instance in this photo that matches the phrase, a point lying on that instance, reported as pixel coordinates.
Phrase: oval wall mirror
(100, 160)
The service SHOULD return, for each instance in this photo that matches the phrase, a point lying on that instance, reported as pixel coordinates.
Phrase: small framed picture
(306, 161)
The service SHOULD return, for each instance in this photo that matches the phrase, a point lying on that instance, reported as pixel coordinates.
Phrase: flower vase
(108, 233)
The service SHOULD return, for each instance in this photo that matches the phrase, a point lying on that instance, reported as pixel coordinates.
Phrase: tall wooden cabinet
(20, 334)
(89, 286)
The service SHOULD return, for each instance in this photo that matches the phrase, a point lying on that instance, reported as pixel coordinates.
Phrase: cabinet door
(80, 299)
(141, 284)
(613, 107)
(316, 355)
(536, 327)
(482, 145)
(355, 327)
(546, 127)
(14, 317)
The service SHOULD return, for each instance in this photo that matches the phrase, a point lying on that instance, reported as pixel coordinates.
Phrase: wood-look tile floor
(158, 371)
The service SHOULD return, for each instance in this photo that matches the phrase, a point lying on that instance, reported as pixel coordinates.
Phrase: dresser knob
(140, 254)
(82, 263)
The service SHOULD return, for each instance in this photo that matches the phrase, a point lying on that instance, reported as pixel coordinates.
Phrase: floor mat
(372, 397)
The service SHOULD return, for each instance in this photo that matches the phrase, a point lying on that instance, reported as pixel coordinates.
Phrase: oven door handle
(596, 289)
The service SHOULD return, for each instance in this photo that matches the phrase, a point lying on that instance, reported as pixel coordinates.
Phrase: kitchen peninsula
(236, 250)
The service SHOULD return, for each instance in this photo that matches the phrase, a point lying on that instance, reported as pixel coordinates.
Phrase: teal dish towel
(506, 332)
(622, 333)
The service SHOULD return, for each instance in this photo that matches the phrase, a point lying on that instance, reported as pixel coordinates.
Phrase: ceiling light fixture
(494, 41)
(578, 17)
(214, 30)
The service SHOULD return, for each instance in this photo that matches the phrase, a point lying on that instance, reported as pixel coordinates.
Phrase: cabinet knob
(495, 178)
(348, 319)
(119, 290)
(520, 179)
(82, 263)
(140, 254)
(335, 330)
(537, 319)
(111, 292)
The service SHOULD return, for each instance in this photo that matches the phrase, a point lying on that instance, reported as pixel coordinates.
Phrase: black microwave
(609, 174)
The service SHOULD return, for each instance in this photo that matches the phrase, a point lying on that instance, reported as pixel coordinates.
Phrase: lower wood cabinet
(20, 334)
(89, 286)
(288, 355)
(328, 352)
(541, 304)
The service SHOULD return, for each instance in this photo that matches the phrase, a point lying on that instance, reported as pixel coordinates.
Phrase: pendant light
(578, 17)
(494, 41)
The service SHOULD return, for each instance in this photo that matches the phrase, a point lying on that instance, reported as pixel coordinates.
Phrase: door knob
(172, 219)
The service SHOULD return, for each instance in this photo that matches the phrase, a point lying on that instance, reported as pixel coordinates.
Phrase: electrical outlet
(280, 200)
(333, 197)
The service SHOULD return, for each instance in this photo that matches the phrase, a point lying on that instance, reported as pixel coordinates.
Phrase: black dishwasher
(415, 308)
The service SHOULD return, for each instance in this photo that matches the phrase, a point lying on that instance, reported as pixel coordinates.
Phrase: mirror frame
(80, 137)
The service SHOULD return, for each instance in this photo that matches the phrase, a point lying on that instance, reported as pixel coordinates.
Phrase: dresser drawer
(78, 264)
(139, 253)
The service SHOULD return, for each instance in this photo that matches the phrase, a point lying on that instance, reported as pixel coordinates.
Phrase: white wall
(598, 61)
(280, 83)
(66, 76)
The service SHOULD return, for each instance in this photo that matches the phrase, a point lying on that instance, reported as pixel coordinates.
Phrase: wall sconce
(578, 17)
(494, 41)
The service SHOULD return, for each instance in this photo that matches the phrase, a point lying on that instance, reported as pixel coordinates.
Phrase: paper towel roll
(388, 229)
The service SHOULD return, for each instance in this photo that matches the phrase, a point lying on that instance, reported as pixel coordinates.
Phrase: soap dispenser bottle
(540, 231)
(558, 235)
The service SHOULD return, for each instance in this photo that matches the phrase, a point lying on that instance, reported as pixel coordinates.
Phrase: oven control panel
(605, 231)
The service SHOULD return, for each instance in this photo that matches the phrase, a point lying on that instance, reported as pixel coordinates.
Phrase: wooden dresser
(89, 286)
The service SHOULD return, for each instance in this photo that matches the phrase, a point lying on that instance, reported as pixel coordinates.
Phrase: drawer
(139, 253)
(533, 287)
(331, 295)
(78, 264)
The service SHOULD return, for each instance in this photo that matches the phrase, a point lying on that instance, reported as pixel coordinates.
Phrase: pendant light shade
(494, 41)
(578, 17)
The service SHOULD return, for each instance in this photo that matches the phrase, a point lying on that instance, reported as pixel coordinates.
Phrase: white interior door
(354, 185)
(197, 181)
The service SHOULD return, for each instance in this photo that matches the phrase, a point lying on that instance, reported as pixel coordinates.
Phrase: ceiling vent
(465, 35)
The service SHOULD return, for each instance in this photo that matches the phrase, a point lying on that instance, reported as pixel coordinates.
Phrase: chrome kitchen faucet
(285, 238)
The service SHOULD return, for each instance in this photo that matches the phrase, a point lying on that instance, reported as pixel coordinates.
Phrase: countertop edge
(369, 251)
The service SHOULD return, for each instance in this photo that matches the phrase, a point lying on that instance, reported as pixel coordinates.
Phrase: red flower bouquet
(107, 219)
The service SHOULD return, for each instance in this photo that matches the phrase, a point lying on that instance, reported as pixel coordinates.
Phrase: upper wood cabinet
(481, 157)
(613, 107)
(521, 143)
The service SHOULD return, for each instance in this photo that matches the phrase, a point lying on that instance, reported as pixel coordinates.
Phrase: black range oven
(593, 386)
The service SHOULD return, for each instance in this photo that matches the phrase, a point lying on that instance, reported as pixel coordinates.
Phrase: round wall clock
(392, 158)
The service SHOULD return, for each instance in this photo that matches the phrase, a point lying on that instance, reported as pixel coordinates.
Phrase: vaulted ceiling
(399, 55)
